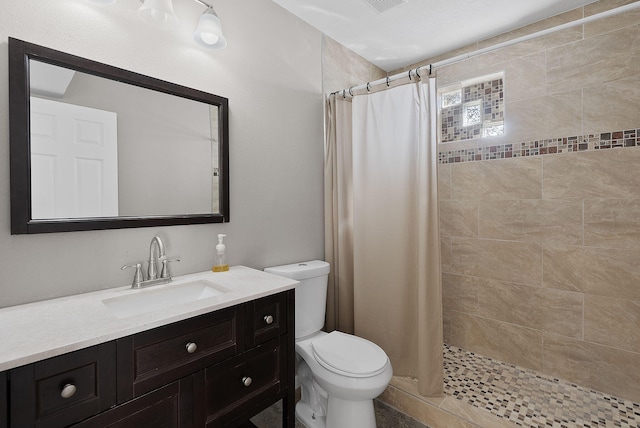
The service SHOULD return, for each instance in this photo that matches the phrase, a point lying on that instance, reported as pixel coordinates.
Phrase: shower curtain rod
(429, 67)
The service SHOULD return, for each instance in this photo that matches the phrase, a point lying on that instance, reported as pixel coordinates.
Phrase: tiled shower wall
(541, 253)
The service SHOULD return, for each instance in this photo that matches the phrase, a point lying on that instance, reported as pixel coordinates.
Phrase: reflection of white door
(74, 161)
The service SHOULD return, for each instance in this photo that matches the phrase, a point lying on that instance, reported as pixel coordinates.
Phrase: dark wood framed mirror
(98, 147)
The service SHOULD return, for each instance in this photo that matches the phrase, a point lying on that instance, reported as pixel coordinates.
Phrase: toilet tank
(311, 294)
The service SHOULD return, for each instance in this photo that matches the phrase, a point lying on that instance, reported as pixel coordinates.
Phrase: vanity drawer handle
(268, 319)
(191, 347)
(68, 391)
(246, 381)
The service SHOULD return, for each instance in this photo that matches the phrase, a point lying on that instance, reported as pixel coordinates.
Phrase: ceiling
(395, 33)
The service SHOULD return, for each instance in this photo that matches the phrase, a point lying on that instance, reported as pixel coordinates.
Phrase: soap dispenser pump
(221, 260)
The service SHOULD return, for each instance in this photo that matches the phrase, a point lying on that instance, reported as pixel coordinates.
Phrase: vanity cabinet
(3, 400)
(212, 370)
(60, 391)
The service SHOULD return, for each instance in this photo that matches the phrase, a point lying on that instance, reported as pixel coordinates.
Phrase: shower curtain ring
(430, 67)
(409, 74)
(418, 71)
(387, 81)
(350, 93)
(368, 90)
(344, 94)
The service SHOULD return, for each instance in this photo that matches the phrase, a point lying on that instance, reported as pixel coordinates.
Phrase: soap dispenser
(221, 260)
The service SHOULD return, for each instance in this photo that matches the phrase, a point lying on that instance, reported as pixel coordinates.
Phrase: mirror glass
(102, 148)
(108, 148)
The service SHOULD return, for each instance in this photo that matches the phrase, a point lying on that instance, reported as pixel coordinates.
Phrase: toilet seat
(349, 355)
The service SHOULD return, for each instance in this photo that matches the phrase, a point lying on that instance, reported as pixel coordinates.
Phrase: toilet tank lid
(302, 270)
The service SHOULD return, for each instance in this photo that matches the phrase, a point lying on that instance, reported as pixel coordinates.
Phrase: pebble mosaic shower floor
(530, 399)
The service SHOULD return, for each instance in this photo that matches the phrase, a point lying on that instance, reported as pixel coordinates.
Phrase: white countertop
(35, 331)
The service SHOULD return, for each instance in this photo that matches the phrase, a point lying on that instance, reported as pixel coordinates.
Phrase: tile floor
(386, 417)
(502, 395)
(530, 399)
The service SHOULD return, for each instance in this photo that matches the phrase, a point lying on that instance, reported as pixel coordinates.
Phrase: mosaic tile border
(579, 143)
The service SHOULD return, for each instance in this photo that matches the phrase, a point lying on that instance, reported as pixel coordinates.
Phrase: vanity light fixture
(160, 13)
(209, 31)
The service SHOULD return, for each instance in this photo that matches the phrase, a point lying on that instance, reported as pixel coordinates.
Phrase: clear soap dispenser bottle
(221, 259)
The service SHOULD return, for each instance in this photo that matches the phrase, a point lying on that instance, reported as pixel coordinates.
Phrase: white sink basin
(149, 300)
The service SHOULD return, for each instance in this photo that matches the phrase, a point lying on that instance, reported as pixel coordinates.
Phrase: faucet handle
(164, 273)
(138, 277)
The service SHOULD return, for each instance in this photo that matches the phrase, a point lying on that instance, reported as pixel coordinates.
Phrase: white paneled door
(74, 161)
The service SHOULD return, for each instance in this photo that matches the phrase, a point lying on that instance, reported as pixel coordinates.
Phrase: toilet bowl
(339, 374)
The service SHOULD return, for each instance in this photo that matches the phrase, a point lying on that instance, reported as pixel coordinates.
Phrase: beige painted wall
(271, 72)
(540, 253)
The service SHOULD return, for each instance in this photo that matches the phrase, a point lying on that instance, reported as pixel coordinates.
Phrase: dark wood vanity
(213, 370)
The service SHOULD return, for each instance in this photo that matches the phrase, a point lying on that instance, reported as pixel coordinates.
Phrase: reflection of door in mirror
(167, 146)
(74, 161)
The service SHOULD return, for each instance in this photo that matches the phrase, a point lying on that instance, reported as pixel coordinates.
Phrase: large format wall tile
(546, 116)
(612, 223)
(612, 105)
(612, 322)
(459, 218)
(538, 44)
(445, 254)
(597, 174)
(444, 181)
(494, 339)
(543, 309)
(545, 221)
(524, 77)
(612, 23)
(507, 179)
(589, 61)
(519, 262)
(608, 272)
(460, 293)
(595, 366)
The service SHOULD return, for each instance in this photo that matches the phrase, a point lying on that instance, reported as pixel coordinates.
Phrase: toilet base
(340, 414)
(348, 414)
(305, 414)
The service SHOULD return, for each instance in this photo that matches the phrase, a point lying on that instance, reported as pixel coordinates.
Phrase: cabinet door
(241, 386)
(62, 390)
(167, 407)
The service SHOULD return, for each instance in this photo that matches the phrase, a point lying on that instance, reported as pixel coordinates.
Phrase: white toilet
(340, 374)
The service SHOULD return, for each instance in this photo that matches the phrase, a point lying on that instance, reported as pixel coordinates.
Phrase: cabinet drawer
(154, 358)
(167, 407)
(242, 381)
(63, 390)
(267, 319)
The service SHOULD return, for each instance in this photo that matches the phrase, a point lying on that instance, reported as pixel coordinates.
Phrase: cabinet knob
(191, 347)
(268, 319)
(246, 381)
(68, 391)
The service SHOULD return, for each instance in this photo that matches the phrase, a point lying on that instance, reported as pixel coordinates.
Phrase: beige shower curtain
(382, 235)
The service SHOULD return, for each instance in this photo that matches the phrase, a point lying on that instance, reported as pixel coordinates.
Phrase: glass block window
(493, 129)
(472, 109)
(451, 98)
(472, 113)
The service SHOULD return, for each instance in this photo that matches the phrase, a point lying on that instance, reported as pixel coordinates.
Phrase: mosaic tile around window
(579, 143)
(489, 95)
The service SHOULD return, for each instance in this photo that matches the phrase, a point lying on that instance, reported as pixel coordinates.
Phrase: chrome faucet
(152, 271)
